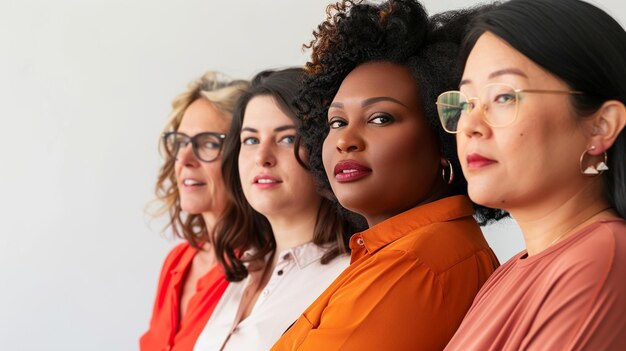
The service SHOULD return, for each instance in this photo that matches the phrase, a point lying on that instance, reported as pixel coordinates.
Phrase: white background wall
(85, 88)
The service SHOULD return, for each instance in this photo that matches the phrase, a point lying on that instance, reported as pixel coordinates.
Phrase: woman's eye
(211, 145)
(335, 123)
(504, 98)
(180, 144)
(381, 119)
(466, 106)
(250, 141)
(289, 139)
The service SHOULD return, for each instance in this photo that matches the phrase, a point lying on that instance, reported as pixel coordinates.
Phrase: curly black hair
(396, 31)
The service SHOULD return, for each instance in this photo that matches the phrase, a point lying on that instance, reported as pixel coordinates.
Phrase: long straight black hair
(577, 42)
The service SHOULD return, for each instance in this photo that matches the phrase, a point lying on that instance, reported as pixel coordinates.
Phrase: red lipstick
(475, 161)
(349, 171)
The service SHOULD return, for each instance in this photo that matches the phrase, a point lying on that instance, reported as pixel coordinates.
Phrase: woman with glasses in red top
(192, 191)
(539, 120)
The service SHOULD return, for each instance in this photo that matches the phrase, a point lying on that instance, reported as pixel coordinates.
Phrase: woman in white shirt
(297, 238)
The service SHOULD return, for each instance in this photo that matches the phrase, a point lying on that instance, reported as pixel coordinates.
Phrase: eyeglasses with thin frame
(498, 103)
(206, 146)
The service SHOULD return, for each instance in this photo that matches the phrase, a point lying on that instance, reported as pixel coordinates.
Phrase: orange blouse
(166, 331)
(409, 284)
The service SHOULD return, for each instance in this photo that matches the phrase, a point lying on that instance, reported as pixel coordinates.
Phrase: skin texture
(376, 120)
(208, 198)
(535, 170)
(267, 140)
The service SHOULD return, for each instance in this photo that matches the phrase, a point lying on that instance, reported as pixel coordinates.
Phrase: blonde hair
(223, 93)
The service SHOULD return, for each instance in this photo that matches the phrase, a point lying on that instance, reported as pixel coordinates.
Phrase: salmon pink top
(167, 331)
(571, 296)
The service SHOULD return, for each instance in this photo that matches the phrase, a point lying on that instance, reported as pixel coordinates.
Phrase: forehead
(490, 55)
(264, 112)
(379, 79)
(201, 116)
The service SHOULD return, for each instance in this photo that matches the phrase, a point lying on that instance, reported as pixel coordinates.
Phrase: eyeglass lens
(206, 146)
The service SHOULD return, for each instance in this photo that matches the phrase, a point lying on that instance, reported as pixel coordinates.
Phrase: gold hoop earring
(593, 170)
(451, 172)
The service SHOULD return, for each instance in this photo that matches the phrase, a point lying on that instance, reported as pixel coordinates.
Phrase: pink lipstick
(475, 161)
(265, 181)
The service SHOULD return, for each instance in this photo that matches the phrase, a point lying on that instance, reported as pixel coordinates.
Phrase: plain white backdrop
(85, 88)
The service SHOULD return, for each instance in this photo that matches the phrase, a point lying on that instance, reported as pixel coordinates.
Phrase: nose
(264, 156)
(186, 157)
(349, 140)
(472, 123)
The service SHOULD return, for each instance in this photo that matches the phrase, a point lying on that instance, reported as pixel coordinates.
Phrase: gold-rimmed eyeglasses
(498, 103)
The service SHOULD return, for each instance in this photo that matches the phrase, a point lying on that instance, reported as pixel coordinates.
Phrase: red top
(166, 331)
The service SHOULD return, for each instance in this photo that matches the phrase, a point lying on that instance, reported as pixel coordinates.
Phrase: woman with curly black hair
(370, 126)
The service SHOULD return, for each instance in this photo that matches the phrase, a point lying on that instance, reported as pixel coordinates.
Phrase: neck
(556, 218)
(210, 220)
(439, 191)
(293, 231)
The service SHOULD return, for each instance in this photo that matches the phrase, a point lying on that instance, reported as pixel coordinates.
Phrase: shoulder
(389, 265)
(598, 243)
(602, 243)
(593, 255)
(443, 245)
(181, 254)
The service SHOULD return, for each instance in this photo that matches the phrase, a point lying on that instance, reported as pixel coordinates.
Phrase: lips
(349, 171)
(476, 161)
(188, 182)
(265, 181)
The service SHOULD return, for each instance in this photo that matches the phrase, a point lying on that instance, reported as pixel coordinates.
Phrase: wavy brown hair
(242, 227)
(222, 92)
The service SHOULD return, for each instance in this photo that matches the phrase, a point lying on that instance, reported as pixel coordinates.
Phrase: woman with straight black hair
(539, 121)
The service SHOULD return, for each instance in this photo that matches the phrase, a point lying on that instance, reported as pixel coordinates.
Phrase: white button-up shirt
(297, 280)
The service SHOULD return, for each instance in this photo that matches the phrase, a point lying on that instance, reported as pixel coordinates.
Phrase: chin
(352, 202)
(195, 208)
(483, 196)
(265, 207)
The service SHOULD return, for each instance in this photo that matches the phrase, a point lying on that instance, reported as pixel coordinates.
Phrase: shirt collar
(183, 262)
(394, 228)
(303, 255)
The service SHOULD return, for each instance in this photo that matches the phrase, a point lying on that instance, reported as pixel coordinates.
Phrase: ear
(606, 125)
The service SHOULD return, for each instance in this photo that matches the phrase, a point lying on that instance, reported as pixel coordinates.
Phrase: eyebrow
(498, 73)
(277, 129)
(370, 101)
